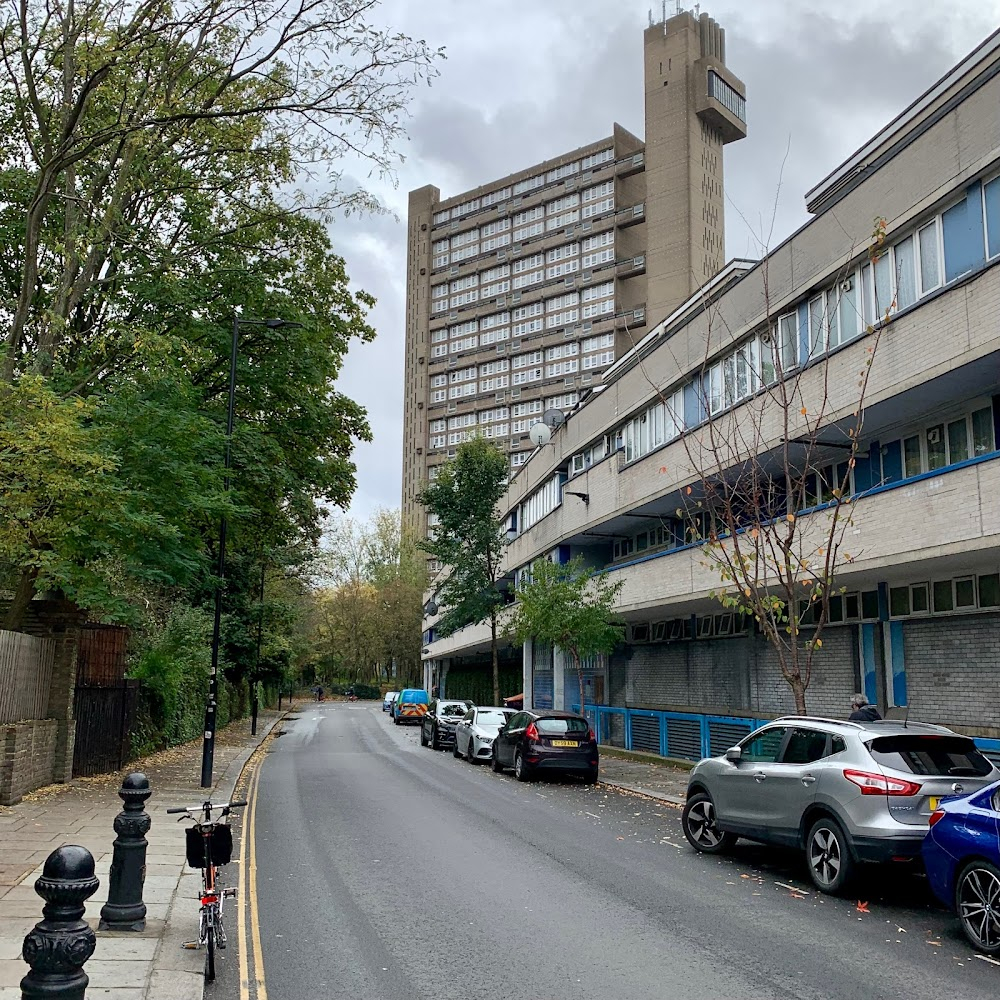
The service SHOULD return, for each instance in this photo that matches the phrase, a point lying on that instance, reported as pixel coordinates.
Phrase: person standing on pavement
(861, 711)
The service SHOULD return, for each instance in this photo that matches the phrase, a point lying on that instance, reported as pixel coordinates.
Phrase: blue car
(962, 856)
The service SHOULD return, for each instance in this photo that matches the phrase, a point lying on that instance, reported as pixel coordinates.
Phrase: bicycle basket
(221, 839)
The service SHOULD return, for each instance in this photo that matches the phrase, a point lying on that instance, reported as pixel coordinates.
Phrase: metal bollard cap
(69, 863)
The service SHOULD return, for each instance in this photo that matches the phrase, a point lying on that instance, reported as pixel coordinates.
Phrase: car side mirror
(734, 755)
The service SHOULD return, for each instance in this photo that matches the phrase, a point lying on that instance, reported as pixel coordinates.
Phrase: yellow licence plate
(565, 743)
(933, 802)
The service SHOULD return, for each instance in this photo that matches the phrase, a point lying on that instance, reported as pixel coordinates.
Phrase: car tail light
(881, 784)
(531, 733)
(935, 816)
(591, 737)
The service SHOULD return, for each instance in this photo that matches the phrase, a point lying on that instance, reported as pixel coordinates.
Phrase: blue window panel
(991, 196)
(868, 662)
(883, 602)
(898, 663)
(541, 690)
(866, 468)
(964, 247)
(892, 462)
(694, 405)
(803, 312)
(563, 555)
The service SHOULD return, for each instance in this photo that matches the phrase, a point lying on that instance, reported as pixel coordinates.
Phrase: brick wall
(953, 670)
(830, 688)
(27, 758)
(738, 676)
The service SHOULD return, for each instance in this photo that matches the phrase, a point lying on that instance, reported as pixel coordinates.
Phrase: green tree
(469, 538)
(569, 606)
(128, 127)
(149, 165)
(369, 615)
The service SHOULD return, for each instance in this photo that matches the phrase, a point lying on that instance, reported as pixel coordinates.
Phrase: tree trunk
(799, 691)
(496, 659)
(14, 619)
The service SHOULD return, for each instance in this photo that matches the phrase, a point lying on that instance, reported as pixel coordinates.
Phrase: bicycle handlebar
(208, 807)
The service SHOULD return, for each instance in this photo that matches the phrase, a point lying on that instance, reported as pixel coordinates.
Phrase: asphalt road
(386, 870)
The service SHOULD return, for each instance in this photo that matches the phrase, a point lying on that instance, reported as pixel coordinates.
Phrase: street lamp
(208, 743)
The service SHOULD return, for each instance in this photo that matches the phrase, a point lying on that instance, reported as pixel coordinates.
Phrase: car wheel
(520, 767)
(828, 854)
(590, 778)
(423, 737)
(977, 903)
(495, 762)
(701, 826)
(470, 754)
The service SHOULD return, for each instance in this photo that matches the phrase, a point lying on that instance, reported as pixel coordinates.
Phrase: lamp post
(208, 743)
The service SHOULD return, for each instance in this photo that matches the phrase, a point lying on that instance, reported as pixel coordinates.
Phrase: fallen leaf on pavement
(862, 907)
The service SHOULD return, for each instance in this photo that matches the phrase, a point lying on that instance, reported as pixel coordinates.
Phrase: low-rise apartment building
(915, 623)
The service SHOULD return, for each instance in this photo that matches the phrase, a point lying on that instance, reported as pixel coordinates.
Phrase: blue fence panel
(687, 735)
(643, 731)
(724, 732)
(991, 748)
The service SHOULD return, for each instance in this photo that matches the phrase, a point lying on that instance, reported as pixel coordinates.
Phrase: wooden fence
(101, 657)
(25, 676)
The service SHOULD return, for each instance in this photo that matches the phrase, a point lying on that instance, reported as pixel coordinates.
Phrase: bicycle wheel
(210, 949)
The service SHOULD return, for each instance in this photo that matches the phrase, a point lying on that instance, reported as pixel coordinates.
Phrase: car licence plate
(933, 802)
(565, 743)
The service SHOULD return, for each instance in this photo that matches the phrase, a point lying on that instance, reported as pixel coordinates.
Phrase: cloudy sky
(527, 80)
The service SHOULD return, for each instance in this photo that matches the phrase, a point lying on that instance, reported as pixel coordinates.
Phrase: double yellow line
(247, 906)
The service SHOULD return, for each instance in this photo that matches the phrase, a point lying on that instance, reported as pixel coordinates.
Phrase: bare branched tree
(770, 494)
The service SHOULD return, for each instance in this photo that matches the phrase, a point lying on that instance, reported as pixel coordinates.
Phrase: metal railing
(690, 735)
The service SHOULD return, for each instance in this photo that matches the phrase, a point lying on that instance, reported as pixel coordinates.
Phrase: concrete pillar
(443, 678)
(526, 667)
(559, 700)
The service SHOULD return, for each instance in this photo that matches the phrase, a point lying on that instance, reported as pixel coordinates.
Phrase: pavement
(645, 774)
(147, 965)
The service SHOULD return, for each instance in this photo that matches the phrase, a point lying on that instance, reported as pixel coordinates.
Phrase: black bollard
(125, 910)
(58, 946)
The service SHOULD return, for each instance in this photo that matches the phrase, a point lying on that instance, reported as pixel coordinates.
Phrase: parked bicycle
(209, 845)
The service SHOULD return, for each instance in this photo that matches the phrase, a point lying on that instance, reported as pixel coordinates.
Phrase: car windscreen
(456, 710)
(952, 756)
(491, 719)
(556, 727)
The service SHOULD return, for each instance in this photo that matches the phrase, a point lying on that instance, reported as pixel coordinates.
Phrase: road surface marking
(258, 956)
(241, 903)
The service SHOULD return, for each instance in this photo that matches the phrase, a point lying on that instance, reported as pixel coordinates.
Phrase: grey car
(844, 792)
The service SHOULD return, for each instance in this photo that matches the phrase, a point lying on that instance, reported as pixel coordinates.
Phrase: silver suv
(845, 792)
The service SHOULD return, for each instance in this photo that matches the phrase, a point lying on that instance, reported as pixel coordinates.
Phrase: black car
(541, 740)
(438, 726)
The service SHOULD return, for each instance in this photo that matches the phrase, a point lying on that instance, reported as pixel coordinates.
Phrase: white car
(475, 734)
(389, 700)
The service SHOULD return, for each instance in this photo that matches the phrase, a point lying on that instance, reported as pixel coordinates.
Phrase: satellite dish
(553, 418)
(540, 434)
